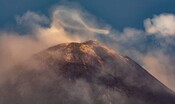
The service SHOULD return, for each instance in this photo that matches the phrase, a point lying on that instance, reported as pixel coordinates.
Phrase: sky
(141, 29)
(127, 13)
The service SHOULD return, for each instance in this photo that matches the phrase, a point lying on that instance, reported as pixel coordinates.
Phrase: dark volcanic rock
(82, 73)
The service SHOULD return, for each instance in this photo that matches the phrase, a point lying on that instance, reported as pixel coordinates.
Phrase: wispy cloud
(75, 24)
(65, 25)
(76, 19)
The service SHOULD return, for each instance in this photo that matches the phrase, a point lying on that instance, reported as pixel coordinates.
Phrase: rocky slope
(82, 73)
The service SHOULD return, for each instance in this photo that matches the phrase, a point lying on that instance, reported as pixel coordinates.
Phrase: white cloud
(32, 19)
(163, 24)
(161, 67)
(15, 47)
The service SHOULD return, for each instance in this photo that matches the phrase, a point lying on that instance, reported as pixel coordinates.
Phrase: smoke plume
(69, 24)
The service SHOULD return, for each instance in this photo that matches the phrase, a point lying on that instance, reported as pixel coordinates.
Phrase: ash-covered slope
(82, 73)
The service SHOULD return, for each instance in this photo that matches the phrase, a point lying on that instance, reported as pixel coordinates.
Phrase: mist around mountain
(82, 73)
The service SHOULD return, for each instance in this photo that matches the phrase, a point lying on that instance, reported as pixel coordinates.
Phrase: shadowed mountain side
(82, 73)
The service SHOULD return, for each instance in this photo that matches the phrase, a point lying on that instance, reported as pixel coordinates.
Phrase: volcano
(82, 73)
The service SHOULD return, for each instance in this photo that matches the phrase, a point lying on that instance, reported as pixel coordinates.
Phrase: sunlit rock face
(82, 73)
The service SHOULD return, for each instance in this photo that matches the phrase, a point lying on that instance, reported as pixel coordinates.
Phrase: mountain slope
(82, 73)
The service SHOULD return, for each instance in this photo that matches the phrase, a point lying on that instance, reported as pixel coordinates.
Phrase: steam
(162, 67)
(150, 51)
(72, 19)
(16, 47)
(74, 25)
